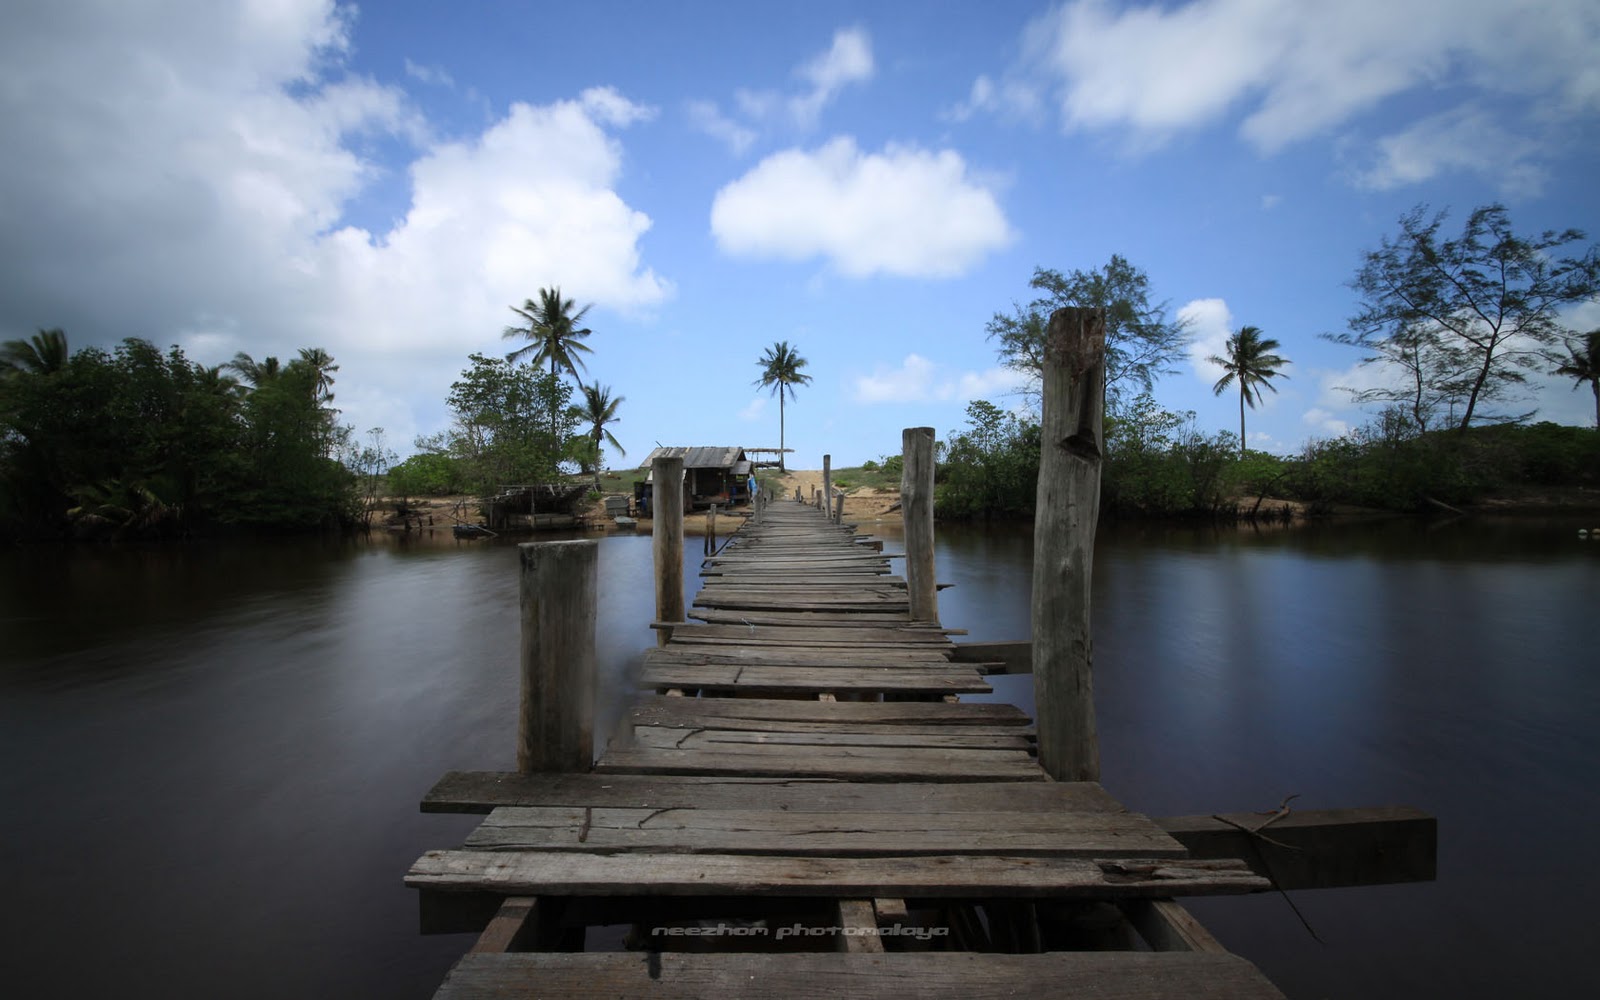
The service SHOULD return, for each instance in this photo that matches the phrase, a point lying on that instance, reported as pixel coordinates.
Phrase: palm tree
(1249, 359)
(780, 369)
(600, 409)
(552, 332)
(215, 381)
(41, 354)
(256, 373)
(1583, 365)
(321, 364)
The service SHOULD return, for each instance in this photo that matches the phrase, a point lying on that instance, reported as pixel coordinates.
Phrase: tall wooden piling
(666, 535)
(916, 509)
(826, 506)
(555, 724)
(1068, 505)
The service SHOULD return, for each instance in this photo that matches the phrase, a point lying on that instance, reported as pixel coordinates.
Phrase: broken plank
(1326, 848)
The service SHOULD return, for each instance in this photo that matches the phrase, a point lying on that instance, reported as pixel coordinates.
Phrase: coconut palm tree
(1583, 365)
(321, 364)
(1249, 359)
(256, 373)
(780, 369)
(599, 409)
(552, 333)
(41, 354)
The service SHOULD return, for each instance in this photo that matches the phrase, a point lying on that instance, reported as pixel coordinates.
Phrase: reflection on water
(214, 753)
(1447, 666)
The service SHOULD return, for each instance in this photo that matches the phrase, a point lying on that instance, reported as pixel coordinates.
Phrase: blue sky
(869, 182)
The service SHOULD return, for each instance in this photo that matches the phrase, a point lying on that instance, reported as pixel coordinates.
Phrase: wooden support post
(1167, 926)
(666, 536)
(711, 531)
(1067, 507)
(512, 928)
(838, 508)
(858, 926)
(826, 506)
(916, 505)
(555, 726)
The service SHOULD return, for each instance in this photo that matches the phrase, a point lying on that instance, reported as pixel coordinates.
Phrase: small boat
(470, 531)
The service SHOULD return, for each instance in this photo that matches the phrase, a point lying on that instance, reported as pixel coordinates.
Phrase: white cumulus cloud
(1284, 72)
(190, 167)
(918, 379)
(1210, 324)
(848, 60)
(1325, 422)
(1466, 139)
(905, 211)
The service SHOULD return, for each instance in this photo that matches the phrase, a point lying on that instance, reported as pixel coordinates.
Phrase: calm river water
(213, 754)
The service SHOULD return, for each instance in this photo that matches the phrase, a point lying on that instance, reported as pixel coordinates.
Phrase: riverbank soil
(862, 505)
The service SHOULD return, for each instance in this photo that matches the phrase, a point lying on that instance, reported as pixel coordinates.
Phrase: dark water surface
(213, 755)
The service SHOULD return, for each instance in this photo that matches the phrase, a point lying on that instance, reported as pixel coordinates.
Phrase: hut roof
(703, 458)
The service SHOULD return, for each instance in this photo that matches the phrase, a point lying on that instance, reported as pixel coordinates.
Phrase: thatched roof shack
(711, 475)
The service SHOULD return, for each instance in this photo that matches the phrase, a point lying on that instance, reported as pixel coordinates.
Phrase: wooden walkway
(800, 779)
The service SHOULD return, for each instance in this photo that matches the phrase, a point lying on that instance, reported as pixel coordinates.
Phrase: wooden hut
(711, 475)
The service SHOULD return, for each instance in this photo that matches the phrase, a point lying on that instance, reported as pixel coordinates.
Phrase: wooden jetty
(798, 803)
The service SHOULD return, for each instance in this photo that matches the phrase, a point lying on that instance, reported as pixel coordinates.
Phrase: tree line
(137, 442)
(134, 442)
(1452, 327)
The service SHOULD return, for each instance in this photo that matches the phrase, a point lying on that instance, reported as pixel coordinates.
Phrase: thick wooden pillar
(826, 506)
(916, 508)
(666, 534)
(1068, 506)
(555, 723)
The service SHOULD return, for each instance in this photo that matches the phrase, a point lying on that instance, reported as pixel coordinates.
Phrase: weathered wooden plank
(1323, 848)
(809, 602)
(798, 656)
(989, 735)
(800, 635)
(1014, 657)
(483, 791)
(657, 738)
(841, 619)
(863, 764)
(772, 679)
(835, 833)
(709, 737)
(941, 644)
(665, 711)
(921, 877)
(932, 975)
